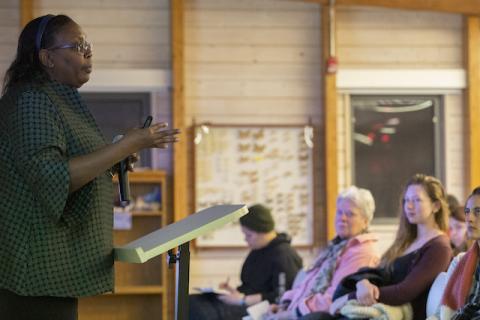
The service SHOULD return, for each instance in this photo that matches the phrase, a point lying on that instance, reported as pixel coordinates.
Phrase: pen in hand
(226, 286)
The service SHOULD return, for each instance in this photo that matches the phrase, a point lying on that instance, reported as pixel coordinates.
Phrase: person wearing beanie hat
(258, 219)
(270, 262)
(258, 227)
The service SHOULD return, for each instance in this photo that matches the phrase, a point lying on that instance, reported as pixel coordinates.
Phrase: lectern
(178, 235)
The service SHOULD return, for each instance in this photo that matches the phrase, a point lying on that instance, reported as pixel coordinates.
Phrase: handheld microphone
(123, 184)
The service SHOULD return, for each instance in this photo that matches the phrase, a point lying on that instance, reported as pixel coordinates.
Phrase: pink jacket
(361, 251)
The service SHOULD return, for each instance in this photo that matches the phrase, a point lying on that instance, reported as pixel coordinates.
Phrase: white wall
(252, 61)
(371, 37)
(455, 155)
(125, 34)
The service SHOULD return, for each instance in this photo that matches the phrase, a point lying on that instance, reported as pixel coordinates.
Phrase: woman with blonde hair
(421, 250)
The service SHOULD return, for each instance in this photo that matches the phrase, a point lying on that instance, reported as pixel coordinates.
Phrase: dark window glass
(394, 138)
(115, 113)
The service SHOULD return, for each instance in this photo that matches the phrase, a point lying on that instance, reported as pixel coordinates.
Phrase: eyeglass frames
(82, 47)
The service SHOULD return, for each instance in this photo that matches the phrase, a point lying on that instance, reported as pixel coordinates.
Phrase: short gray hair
(362, 198)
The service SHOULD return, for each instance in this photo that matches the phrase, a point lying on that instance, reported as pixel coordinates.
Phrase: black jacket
(261, 269)
(377, 276)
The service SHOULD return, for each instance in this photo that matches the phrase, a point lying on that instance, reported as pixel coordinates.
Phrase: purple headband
(41, 30)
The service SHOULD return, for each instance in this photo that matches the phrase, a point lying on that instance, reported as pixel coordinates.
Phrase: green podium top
(175, 234)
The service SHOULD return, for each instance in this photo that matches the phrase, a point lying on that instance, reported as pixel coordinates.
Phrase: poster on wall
(255, 164)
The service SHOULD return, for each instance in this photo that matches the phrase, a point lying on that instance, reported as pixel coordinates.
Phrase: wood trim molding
(471, 7)
(180, 178)
(412, 79)
(26, 12)
(330, 129)
(472, 61)
(128, 80)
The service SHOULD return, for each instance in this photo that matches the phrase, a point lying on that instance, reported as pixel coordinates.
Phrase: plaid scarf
(458, 287)
(327, 261)
(471, 310)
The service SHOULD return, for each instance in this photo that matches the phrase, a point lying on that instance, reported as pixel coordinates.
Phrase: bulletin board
(256, 164)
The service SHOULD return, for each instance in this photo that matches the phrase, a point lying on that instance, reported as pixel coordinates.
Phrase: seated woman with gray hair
(352, 248)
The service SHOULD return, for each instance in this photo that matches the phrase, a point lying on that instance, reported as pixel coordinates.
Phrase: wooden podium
(178, 235)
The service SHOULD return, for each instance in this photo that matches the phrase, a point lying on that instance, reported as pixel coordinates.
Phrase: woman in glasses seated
(56, 216)
(461, 297)
(353, 247)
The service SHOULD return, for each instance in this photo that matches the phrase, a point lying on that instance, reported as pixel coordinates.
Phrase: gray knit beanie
(258, 219)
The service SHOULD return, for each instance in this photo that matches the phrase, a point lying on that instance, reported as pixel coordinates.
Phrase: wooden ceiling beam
(329, 110)
(472, 65)
(180, 164)
(470, 7)
(26, 12)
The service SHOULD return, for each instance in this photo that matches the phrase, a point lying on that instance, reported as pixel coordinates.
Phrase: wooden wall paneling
(456, 142)
(472, 43)
(236, 18)
(125, 34)
(257, 89)
(330, 127)
(111, 56)
(464, 6)
(264, 66)
(247, 54)
(365, 57)
(381, 20)
(109, 4)
(383, 38)
(248, 5)
(11, 12)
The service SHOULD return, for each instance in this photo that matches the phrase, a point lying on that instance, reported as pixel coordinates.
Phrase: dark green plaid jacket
(51, 242)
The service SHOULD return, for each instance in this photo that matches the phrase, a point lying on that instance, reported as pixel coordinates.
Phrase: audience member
(353, 247)
(271, 255)
(458, 231)
(461, 297)
(419, 253)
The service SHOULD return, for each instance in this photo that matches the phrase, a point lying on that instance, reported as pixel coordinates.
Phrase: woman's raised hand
(156, 136)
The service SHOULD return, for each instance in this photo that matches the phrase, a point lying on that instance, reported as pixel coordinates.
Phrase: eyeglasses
(82, 47)
(475, 211)
(348, 214)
